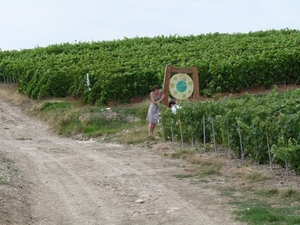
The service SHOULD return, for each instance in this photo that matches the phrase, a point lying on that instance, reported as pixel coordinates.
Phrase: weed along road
(66, 181)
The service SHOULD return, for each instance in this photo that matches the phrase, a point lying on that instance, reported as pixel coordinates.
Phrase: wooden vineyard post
(168, 74)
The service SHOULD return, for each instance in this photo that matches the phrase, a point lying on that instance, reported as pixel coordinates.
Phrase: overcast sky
(32, 23)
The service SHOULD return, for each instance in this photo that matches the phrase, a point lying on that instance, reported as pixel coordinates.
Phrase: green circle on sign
(181, 86)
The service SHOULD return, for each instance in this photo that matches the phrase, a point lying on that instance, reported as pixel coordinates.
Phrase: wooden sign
(181, 85)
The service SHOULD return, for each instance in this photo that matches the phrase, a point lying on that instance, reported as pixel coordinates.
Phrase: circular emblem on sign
(181, 86)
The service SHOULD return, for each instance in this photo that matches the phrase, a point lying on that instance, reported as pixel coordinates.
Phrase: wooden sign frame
(168, 73)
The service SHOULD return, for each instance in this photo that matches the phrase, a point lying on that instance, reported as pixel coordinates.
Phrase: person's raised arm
(153, 100)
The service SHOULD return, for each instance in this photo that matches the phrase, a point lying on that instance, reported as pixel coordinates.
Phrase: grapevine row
(263, 128)
(122, 69)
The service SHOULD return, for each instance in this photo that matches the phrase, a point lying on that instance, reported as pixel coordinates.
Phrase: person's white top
(174, 108)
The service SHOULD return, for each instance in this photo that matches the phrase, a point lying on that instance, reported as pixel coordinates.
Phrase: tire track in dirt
(62, 196)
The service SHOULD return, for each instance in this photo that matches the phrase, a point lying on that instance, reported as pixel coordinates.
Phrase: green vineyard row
(121, 69)
(264, 128)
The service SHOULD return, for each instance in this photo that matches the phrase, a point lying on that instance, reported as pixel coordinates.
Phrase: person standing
(156, 96)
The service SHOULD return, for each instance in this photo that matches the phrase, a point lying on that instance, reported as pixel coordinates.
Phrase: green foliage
(266, 214)
(266, 127)
(288, 151)
(272, 207)
(122, 69)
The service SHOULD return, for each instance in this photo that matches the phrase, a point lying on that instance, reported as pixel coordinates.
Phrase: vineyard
(263, 128)
(121, 69)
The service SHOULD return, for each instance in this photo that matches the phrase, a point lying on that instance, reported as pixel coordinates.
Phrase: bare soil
(54, 180)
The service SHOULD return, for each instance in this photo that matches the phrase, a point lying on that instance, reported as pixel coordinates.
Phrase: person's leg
(152, 128)
(149, 129)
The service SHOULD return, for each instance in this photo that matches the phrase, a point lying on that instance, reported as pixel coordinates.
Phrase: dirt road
(65, 181)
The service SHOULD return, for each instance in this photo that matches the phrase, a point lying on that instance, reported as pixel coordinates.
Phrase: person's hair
(172, 102)
(155, 87)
